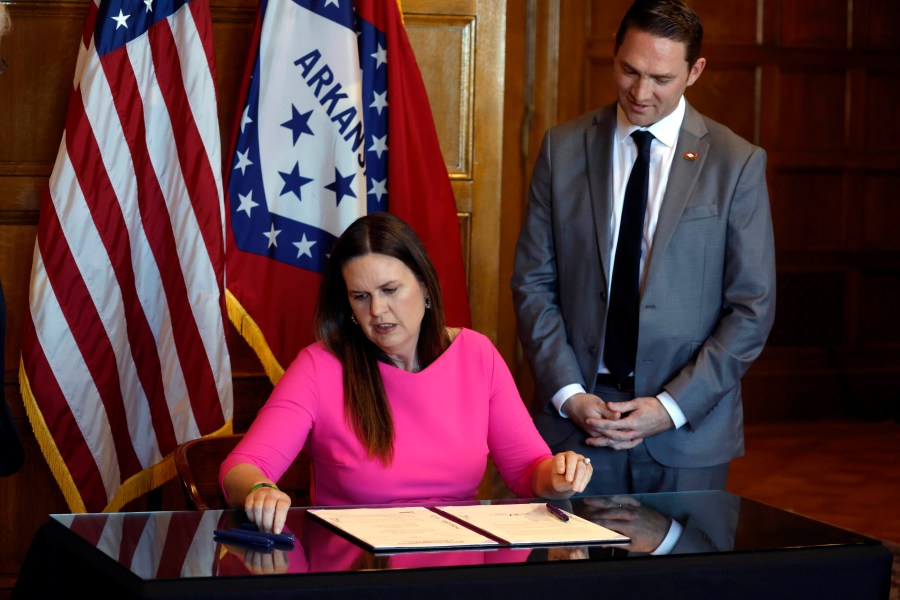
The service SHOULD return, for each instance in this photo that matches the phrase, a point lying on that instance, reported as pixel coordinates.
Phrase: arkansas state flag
(123, 346)
(336, 125)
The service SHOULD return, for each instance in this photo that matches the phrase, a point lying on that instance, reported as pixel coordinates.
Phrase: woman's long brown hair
(365, 401)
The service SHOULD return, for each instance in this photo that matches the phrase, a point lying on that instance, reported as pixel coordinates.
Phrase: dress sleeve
(515, 444)
(282, 425)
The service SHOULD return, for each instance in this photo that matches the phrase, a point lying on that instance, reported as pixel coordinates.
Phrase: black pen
(279, 538)
(244, 537)
(558, 513)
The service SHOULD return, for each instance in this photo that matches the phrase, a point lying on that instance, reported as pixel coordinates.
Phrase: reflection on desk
(181, 544)
(175, 553)
(705, 522)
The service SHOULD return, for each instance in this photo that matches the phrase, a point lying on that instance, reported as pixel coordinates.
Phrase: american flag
(123, 350)
(336, 124)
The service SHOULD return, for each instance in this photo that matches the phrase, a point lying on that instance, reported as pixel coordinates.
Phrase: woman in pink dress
(392, 405)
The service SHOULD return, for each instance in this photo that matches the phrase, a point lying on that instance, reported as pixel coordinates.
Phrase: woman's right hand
(264, 503)
(267, 507)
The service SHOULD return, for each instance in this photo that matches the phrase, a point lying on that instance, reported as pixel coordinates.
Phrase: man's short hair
(670, 19)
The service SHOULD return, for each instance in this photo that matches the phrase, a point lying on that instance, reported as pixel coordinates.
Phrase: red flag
(336, 124)
(123, 350)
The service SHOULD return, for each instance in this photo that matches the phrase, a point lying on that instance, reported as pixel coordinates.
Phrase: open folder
(464, 526)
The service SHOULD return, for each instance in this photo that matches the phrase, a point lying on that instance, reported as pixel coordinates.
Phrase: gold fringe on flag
(131, 489)
(250, 331)
(48, 445)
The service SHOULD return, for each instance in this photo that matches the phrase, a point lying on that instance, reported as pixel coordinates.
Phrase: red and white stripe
(124, 352)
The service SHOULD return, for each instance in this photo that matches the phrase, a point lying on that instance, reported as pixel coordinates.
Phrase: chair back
(197, 463)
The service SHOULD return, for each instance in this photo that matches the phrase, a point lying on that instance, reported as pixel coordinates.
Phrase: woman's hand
(249, 488)
(565, 474)
(267, 507)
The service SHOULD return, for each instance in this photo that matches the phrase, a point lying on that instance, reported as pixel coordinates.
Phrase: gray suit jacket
(708, 300)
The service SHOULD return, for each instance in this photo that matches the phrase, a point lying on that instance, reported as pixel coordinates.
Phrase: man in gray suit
(703, 282)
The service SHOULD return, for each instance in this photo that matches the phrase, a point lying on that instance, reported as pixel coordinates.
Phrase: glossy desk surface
(174, 547)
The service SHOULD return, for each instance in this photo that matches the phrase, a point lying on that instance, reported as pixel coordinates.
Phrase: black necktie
(620, 347)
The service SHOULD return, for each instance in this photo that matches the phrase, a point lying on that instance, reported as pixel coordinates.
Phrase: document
(533, 523)
(465, 526)
(401, 528)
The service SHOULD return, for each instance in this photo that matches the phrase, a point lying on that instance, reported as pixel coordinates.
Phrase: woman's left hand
(570, 472)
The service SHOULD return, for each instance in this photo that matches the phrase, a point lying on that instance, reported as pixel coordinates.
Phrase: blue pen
(244, 537)
(280, 538)
(558, 513)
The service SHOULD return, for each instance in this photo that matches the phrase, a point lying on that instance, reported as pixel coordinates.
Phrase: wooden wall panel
(810, 309)
(738, 25)
(811, 109)
(232, 29)
(559, 31)
(17, 249)
(808, 209)
(879, 212)
(598, 91)
(882, 128)
(728, 94)
(459, 46)
(447, 44)
(536, 32)
(876, 25)
(35, 57)
(813, 23)
(879, 319)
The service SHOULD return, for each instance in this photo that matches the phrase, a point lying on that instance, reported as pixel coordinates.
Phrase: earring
(353, 318)
(427, 302)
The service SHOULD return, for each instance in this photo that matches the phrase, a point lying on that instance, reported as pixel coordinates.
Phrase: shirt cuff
(672, 408)
(675, 530)
(560, 397)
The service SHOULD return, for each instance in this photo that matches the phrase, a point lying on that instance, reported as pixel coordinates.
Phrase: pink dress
(447, 419)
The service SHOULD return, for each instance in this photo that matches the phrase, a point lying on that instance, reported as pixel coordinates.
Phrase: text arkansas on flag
(336, 125)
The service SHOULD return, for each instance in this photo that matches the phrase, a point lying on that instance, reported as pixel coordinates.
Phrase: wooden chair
(197, 462)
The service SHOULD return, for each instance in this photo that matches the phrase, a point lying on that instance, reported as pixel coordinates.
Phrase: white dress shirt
(624, 150)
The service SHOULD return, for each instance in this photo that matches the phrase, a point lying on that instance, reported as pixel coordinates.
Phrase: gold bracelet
(261, 485)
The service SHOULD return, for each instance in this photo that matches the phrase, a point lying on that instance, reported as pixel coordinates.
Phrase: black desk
(729, 547)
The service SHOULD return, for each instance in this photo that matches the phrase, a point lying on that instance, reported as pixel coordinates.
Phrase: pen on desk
(279, 538)
(558, 513)
(244, 537)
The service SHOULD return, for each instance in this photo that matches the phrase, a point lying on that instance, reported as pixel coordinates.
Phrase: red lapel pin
(690, 156)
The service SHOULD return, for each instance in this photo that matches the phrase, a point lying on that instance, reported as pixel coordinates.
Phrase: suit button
(603, 295)
(592, 350)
